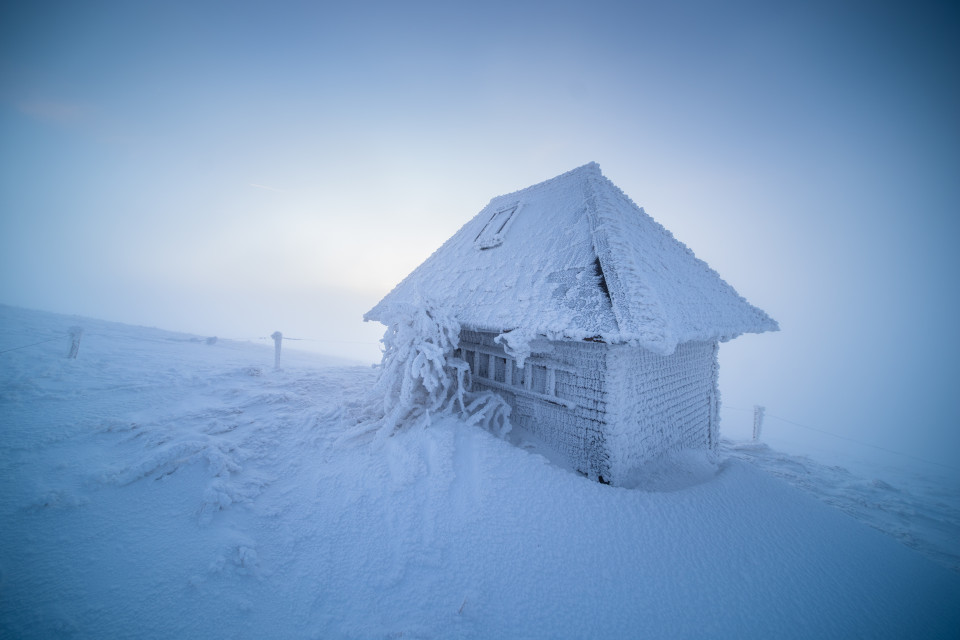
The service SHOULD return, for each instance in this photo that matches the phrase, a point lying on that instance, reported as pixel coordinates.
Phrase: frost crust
(420, 378)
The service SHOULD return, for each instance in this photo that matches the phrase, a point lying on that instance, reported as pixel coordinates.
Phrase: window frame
(495, 230)
(511, 383)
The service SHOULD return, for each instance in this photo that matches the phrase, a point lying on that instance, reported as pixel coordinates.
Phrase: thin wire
(865, 444)
(316, 340)
(726, 406)
(31, 345)
(339, 341)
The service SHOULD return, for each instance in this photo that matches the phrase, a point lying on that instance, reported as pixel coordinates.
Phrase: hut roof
(574, 258)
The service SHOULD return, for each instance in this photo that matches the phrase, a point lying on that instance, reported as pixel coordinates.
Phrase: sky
(237, 168)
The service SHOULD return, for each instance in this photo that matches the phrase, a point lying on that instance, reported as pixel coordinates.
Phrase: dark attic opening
(598, 271)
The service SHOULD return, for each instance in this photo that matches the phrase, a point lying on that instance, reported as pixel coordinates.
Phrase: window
(493, 232)
(483, 365)
(500, 369)
(538, 383)
(517, 375)
(539, 379)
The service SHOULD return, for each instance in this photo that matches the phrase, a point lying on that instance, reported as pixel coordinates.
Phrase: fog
(239, 169)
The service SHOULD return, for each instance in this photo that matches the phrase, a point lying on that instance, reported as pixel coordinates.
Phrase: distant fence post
(75, 334)
(277, 339)
(757, 421)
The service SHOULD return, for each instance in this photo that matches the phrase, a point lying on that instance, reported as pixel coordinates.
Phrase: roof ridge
(591, 168)
(636, 306)
(542, 277)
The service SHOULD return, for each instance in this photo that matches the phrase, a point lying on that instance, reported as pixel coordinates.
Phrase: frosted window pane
(517, 375)
(539, 383)
(500, 369)
(483, 365)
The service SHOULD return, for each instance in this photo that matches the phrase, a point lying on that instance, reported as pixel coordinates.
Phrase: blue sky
(236, 168)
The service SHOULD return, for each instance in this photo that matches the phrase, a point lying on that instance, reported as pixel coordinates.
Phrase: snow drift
(158, 486)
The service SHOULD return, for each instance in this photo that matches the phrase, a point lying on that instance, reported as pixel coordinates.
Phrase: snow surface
(919, 507)
(159, 486)
(539, 274)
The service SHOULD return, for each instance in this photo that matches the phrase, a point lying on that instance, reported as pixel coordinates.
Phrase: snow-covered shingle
(574, 258)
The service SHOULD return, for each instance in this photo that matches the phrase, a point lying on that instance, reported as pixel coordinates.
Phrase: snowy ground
(920, 510)
(159, 486)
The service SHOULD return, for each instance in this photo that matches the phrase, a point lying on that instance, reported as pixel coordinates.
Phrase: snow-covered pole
(277, 339)
(75, 334)
(757, 421)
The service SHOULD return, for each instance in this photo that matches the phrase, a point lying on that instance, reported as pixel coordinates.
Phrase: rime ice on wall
(658, 404)
(598, 327)
(606, 409)
(557, 394)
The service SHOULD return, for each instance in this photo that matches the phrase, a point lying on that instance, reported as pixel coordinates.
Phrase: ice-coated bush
(421, 378)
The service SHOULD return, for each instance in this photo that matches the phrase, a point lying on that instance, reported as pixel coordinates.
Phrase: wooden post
(757, 421)
(75, 334)
(277, 339)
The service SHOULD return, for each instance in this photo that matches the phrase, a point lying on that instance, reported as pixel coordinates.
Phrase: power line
(313, 340)
(30, 345)
(861, 443)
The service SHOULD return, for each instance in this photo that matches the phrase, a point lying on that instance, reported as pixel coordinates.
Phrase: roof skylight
(494, 231)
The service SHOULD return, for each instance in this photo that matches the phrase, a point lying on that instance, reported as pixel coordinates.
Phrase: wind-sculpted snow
(158, 487)
(924, 514)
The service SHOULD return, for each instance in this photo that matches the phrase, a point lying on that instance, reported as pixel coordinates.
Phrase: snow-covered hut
(594, 323)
